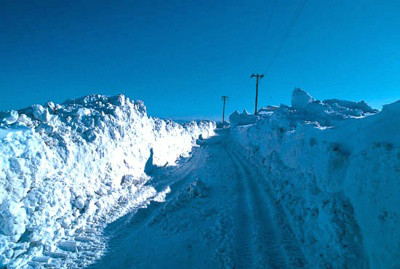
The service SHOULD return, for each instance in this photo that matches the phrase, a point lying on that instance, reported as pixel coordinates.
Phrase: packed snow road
(219, 213)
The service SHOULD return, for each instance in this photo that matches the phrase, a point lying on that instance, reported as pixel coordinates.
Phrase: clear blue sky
(181, 56)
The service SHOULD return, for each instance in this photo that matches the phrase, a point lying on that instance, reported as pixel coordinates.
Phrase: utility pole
(257, 76)
(224, 98)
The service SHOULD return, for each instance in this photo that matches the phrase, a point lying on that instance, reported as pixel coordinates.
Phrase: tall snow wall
(335, 168)
(67, 168)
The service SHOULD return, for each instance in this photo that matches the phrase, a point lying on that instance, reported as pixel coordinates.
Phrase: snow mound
(68, 169)
(328, 112)
(301, 99)
(237, 119)
(334, 166)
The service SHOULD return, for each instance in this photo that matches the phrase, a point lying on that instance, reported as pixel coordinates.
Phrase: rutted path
(275, 242)
(265, 245)
(219, 214)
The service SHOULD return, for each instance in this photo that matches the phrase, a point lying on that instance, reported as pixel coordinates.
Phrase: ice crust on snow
(334, 166)
(68, 169)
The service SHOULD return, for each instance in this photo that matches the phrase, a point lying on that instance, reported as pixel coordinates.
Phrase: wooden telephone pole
(257, 76)
(224, 98)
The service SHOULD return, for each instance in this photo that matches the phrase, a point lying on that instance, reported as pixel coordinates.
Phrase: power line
(270, 17)
(287, 32)
(266, 33)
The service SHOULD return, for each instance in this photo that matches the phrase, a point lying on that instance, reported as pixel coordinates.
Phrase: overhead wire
(270, 17)
(266, 34)
(285, 35)
(287, 32)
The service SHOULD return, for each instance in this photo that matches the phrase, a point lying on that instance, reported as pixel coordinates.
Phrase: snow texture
(334, 166)
(66, 170)
(218, 214)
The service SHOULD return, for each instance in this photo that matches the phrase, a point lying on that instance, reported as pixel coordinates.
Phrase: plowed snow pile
(334, 167)
(67, 170)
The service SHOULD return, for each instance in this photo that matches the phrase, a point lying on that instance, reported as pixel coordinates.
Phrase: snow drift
(67, 170)
(335, 167)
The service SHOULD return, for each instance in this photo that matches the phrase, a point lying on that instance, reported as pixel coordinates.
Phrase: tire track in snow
(243, 233)
(263, 196)
(265, 246)
(248, 231)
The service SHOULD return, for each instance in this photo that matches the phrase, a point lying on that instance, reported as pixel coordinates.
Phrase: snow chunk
(300, 99)
(41, 113)
(11, 117)
(24, 120)
(237, 119)
(80, 202)
(68, 246)
(346, 106)
(12, 219)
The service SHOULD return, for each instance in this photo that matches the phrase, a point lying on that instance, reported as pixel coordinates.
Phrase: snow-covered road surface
(219, 213)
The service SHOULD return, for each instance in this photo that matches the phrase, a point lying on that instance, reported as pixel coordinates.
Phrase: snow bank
(66, 170)
(237, 119)
(335, 167)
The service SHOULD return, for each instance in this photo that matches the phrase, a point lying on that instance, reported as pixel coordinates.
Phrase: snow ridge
(68, 169)
(334, 167)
